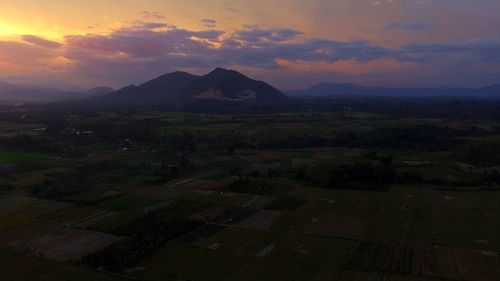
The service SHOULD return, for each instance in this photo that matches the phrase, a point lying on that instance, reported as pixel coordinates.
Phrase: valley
(333, 195)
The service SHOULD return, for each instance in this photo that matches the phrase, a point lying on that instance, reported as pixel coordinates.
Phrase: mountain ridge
(220, 85)
(20, 94)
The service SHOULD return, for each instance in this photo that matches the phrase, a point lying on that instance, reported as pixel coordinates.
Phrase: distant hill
(337, 90)
(5, 86)
(220, 85)
(493, 90)
(100, 91)
(19, 94)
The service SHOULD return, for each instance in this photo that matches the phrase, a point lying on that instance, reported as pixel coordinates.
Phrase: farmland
(345, 194)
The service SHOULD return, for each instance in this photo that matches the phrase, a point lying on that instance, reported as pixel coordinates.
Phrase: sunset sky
(289, 43)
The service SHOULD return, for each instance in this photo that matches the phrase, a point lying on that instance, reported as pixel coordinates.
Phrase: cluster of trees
(362, 175)
(491, 178)
(381, 174)
(480, 153)
(145, 234)
(419, 137)
(154, 132)
(405, 107)
(87, 175)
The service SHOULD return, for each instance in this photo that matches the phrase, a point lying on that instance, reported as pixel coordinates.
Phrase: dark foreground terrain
(362, 189)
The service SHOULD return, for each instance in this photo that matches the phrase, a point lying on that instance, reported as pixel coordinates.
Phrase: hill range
(220, 85)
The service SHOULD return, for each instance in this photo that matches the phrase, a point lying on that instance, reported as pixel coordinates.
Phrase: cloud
(255, 35)
(412, 26)
(153, 15)
(486, 51)
(143, 42)
(143, 52)
(27, 61)
(132, 54)
(381, 2)
(150, 25)
(285, 34)
(143, 49)
(39, 41)
(24, 53)
(209, 23)
(228, 7)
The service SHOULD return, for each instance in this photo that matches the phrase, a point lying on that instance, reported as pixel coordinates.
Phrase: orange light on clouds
(9, 29)
(383, 24)
(351, 66)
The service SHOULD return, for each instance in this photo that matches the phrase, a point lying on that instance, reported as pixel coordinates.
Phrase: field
(20, 157)
(339, 195)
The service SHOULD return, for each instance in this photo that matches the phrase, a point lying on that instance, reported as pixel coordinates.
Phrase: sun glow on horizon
(9, 30)
(335, 40)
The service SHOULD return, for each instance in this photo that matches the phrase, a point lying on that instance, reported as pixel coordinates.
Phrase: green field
(297, 196)
(19, 157)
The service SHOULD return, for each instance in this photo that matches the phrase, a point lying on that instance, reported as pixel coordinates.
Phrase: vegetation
(146, 234)
(349, 189)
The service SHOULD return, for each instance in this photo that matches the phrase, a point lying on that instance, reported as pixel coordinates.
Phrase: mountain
(230, 85)
(32, 95)
(168, 87)
(100, 91)
(493, 90)
(338, 90)
(220, 85)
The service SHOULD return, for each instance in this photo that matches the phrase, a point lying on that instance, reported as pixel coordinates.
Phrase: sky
(289, 43)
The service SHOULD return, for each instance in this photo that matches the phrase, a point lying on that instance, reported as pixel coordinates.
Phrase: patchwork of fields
(313, 210)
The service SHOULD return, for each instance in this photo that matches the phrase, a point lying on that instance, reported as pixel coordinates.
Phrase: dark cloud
(209, 23)
(142, 50)
(228, 7)
(39, 41)
(481, 46)
(252, 36)
(412, 26)
(255, 35)
(150, 25)
(286, 34)
(131, 52)
(478, 51)
(248, 47)
(133, 42)
(153, 15)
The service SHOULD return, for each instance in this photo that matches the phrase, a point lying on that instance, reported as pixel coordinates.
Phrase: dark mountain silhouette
(168, 87)
(181, 87)
(337, 90)
(100, 91)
